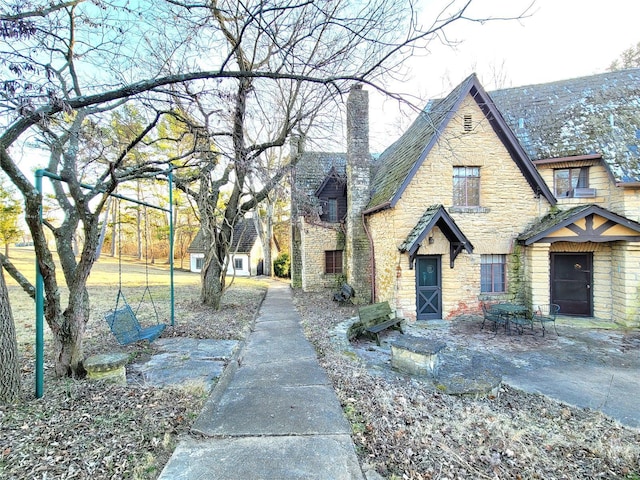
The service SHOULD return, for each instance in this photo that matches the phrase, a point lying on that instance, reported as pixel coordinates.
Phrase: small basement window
(333, 261)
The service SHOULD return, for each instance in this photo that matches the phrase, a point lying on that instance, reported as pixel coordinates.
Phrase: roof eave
(377, 208)
(589, 210)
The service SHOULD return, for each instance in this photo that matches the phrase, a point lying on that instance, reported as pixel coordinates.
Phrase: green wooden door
(428, 288)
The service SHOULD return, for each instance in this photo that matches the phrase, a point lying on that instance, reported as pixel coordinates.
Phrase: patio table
(517, 314)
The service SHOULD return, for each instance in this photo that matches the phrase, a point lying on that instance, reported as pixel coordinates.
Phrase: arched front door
(428, 287)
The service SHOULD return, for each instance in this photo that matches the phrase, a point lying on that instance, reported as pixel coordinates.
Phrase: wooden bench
(378, 317)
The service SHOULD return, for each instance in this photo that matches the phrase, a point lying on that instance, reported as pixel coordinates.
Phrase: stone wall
(625, 272)
(315, 240)
(508, 205)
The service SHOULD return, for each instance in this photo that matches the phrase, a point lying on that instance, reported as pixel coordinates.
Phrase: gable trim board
(450, 105)
(586, 223)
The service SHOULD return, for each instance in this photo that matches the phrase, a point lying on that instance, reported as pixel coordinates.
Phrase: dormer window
(332, 205)
(569, 182)
(332, 197)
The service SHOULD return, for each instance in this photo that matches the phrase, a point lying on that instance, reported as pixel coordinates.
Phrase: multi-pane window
(492, 273)
(466, 186)
(566, 180)
(238, 264)
(332, 205)
(333, 261)
(199, 263)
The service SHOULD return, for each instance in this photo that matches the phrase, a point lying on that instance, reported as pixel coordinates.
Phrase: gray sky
(560, 39)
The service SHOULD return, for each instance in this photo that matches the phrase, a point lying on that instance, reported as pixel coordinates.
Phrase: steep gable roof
(398, 164)
(244, 238)
(598, 114)
(313, 169)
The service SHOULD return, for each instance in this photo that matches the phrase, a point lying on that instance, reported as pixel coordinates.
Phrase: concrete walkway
(273, 413)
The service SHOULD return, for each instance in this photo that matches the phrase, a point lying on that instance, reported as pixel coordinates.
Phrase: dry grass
(409, 430)
(87, 430)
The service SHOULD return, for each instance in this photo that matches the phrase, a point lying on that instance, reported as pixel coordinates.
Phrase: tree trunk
(212, 283)
(68, 344)
(9, 366)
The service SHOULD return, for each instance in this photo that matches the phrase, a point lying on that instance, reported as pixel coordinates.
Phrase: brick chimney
(358, 252)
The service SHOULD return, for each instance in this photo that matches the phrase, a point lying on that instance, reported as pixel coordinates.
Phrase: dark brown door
(571, 278)
(428, 288)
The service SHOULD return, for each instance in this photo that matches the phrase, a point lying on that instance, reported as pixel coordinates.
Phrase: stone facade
(518, 216)
(315, 240)
(504, 194)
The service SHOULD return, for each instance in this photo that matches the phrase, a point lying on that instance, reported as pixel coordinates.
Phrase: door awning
(586, 223)
(436, 216)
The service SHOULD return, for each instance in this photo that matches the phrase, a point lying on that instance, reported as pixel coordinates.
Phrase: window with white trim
(466, 186)
(492, 273)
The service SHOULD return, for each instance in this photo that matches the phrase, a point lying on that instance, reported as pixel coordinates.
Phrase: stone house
(246, 255)
(529, 194)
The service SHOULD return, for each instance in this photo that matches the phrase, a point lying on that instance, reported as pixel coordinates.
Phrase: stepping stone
(474, 378)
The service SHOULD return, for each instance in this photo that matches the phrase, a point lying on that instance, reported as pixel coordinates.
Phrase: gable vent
(467, 125)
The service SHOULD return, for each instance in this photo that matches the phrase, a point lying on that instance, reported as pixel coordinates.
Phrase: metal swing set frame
(127, 327)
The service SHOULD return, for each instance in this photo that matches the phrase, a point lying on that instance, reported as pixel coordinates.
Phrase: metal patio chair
(547, 314)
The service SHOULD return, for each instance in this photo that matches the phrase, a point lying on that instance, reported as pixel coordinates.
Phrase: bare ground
(409, 430)
(403, 430)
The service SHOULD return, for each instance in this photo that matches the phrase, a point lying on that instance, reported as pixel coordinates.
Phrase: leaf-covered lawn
(87, 430)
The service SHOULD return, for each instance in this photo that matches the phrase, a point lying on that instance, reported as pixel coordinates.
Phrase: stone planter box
(107, 366)
(416, 356)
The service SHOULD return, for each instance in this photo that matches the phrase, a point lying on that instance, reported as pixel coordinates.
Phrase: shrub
(281, 266)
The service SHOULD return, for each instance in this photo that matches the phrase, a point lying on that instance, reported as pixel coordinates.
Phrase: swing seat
(125, 327)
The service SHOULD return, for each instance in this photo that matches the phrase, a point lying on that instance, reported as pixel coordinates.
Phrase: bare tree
(629, 58)
(69, 63)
